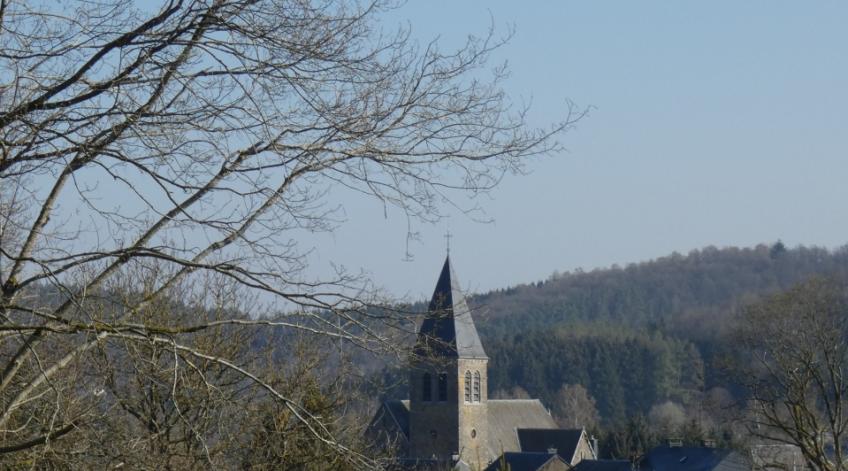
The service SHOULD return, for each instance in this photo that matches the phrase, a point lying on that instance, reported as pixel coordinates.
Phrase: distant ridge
(708, 279)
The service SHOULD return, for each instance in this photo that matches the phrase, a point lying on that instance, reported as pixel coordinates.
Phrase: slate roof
(666, 458)
(390, 422)
(523, 461)
(604, 465)
(448, 330)
(399, 412)
(541, 440)
(507, 415)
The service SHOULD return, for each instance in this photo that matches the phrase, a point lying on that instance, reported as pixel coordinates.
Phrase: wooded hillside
(637, 335)
(646, 341)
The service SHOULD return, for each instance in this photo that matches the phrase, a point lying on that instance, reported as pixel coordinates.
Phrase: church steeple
(448, 330)
(448, 381)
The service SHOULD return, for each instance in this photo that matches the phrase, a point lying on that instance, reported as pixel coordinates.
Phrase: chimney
(594, 441)
(552, 450)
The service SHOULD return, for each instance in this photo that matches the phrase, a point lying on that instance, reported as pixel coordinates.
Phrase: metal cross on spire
(448, 236)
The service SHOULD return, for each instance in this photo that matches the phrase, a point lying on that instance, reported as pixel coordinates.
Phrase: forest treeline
(648, 341)
(676, 291)
(625, 372)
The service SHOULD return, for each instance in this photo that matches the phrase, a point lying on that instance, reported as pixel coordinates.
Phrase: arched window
(467, 386)
(426, 388)
(443, 386)
(476, 386)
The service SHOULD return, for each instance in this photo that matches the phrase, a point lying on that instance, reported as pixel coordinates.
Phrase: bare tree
(194, 400)
(796, 344)
(575, 408)
(667, 419)
(200, 138)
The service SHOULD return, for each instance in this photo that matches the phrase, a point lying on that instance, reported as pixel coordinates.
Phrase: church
(449, 420)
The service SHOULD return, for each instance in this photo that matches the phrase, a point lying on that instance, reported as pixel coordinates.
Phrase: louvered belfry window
(443, 386)
(467, 386)
(426, 388)
(476, 386)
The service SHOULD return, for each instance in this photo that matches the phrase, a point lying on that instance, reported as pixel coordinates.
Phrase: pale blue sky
(715, 123)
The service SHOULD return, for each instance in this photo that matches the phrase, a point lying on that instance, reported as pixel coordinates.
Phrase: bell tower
(448, 379)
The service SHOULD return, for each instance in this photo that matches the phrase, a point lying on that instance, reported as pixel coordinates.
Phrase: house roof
(604, 465)
(392, 418)
(448, 330)
(666, 458)
(508, 415)
(399, 412)
(505, 417)
(523, 461)
(565, 441)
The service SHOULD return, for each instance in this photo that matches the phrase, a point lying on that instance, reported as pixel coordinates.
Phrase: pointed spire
(448, 329)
